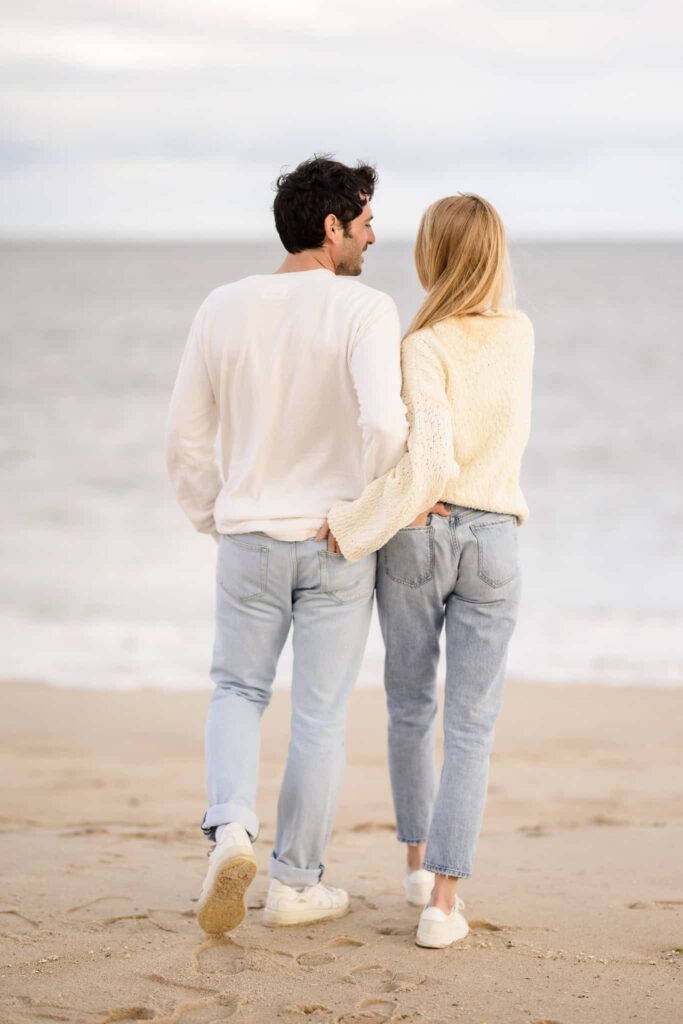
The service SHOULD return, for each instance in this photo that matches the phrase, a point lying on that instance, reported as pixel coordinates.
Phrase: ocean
(105, 584)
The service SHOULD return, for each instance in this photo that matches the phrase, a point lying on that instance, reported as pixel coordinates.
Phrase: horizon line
(260, 240)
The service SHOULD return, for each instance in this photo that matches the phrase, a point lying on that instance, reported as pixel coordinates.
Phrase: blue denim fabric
(460, 571)
(264, 586)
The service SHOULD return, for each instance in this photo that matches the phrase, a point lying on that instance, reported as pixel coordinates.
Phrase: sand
(575, 905)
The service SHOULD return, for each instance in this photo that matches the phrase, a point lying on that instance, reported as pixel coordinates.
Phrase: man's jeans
(263, 587)
(462, 570)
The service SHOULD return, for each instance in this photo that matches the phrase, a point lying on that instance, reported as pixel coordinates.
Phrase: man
(299, 373)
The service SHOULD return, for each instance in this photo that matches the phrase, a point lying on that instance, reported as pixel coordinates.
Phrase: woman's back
(466, 368)
(487, 362)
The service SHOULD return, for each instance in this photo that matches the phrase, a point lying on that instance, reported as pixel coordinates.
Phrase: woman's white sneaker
(286, 905)
(232, 867)
(418, 886)
(437, 930)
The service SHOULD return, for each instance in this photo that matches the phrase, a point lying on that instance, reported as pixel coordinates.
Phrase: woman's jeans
(264, 586)
(461, 570)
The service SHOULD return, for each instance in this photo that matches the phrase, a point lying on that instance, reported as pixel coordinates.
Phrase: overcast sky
(172, 119)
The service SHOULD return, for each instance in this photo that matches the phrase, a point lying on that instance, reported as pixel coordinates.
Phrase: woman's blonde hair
(461, 259)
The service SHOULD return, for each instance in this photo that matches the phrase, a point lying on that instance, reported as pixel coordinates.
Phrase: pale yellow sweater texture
(467, 391)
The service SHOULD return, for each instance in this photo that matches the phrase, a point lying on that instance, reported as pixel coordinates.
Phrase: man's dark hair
(316, 188)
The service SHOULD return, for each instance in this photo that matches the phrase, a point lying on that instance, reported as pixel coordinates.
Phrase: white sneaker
(232, 867)
(286, 905)
(418, 887)
(437, 930)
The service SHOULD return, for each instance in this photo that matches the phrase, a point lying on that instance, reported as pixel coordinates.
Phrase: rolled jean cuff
(439, 869)
(289, 875)
(411, 842)
(224, 814)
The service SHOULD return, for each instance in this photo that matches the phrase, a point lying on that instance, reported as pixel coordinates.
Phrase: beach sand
(575, 906)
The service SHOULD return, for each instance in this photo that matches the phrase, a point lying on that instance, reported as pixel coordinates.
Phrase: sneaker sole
(225, 907)
(287, 918)
(434, 943)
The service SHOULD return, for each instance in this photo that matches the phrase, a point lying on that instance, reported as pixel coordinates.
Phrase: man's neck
(310, 259)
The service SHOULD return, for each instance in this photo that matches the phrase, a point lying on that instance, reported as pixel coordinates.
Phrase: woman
(467, 366)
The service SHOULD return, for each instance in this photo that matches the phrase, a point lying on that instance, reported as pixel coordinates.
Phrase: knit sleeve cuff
(340, 519)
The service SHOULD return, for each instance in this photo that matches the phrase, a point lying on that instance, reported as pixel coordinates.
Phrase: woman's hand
(332, 545)
(439, 509)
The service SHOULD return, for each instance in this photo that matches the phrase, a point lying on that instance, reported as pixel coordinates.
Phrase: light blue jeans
(264, 586)
(463, 571)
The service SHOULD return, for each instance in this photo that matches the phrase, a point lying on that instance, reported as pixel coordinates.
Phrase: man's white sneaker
(437, 930)
(418, 887)
(232, 867)
(286, 905)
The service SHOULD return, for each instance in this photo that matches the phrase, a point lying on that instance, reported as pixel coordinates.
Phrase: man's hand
(324, 532)
(439, 509)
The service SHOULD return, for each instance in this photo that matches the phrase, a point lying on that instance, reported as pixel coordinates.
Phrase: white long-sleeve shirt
(299, 375)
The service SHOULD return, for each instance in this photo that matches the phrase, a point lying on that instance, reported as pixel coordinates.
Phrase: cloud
(113, 94)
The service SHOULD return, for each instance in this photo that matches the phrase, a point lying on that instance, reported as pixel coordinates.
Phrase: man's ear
(331, 227)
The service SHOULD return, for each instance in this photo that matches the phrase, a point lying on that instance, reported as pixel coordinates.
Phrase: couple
(351, 461)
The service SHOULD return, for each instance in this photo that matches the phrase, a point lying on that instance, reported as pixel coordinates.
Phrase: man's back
(301, 374)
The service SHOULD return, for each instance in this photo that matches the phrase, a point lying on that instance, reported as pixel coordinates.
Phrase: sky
(173, 119)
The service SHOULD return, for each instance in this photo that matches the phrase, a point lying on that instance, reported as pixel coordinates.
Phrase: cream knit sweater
(467, 389)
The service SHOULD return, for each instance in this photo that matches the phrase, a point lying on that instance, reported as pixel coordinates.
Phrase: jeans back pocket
(242, 568)
(346, 581)
(408, 558)
(496, 550)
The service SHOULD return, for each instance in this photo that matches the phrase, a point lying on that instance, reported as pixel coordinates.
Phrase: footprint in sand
(375, 978)
(176, 835)
(91, 830)
(485, 926)
(170, 920)
(535, 831)
(96, 912)
(159, 979)
(126, 1013)
(50, 1011)
(204, 1011)
(396, 927)
(655, 904)
(329, 953)
(143, 921)
(316, 958)
(313, 1013)
(166, 920)
(370, 904)
(221, 956)
(370, 1011)
(13, 923)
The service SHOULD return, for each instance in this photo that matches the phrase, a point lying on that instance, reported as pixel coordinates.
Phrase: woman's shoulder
(509, 324)
(512, 324)
(523, 328)
(423, 336)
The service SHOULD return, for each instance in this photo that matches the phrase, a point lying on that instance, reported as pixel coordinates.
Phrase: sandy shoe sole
(286, 918)
(224, 906)
(429, 938)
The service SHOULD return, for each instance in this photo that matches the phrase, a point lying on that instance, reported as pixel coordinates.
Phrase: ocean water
(105, 584)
